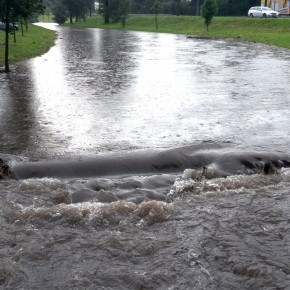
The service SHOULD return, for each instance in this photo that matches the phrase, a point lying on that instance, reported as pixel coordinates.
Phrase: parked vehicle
(11, 26)
(259, 11)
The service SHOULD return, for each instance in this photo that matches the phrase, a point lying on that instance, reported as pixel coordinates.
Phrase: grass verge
(35, 41)
(274, 31)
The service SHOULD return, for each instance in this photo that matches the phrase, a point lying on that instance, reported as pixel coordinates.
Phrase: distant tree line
(118, 10)
(188, 7)
(72, 10)
(180, 7)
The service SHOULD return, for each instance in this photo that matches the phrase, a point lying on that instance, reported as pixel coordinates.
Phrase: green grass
(270, 30)
(34, 42)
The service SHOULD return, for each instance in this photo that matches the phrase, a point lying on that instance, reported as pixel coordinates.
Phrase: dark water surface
(146, 161)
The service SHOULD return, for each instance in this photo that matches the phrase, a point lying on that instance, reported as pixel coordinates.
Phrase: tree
(10, 12)
(5, 8)
(177, 10)
(104, 10)
(114, 10)
(124, 10)
(90, 4)
(70, 9)
(235, 8)
(156, 7)
(197, 7)
(59, 10)
(27, 10)
(176, 7)
(208, 10)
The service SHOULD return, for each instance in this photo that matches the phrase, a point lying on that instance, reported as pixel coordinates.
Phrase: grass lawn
(34, 42)
(275, 31)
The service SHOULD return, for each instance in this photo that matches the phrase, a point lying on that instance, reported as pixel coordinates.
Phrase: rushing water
(146, 161)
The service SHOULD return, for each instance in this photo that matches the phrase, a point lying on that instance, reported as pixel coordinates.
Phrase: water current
(146, 161)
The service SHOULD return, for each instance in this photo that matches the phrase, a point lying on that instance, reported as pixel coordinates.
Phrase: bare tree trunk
(21, 25)
(107, 20)
(177, 8)
(7, 14)
(197, 8)
(7, 48)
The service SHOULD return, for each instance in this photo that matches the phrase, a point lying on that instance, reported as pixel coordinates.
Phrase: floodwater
(146, 161)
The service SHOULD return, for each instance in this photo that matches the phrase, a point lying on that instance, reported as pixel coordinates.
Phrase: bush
(208, 10)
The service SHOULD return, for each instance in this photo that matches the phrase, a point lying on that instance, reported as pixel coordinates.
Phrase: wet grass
(269, 31)
(34, 42)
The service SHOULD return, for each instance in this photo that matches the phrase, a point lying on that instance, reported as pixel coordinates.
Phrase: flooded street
(123, 90)
(146, 161)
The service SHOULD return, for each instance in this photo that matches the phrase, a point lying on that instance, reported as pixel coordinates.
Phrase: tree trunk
(107, 12)
(177, 12)
(231, 7)
(21, 25)
(7, 48)
(197, 8)
(7, 20)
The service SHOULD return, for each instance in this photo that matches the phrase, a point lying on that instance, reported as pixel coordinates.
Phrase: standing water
(146, 161)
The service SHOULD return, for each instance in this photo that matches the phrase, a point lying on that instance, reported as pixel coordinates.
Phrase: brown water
(108, 135)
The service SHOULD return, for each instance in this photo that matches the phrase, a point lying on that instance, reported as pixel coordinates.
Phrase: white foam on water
(192, 182)
(95, 214)
(41, 184)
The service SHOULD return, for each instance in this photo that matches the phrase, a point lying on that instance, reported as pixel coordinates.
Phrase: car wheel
(264, 15)
(251, 15)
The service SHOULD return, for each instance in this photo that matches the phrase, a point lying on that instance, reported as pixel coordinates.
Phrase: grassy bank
(35, 41)
(269, 30)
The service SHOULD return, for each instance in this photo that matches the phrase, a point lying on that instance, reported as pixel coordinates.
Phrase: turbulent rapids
(198, 220)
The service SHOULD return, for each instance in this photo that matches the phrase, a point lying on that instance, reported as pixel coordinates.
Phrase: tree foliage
(118, 10)
(236, 8)
(192, 7)
(70, 9)
(12, 11)
(114, 10)
(208, 10)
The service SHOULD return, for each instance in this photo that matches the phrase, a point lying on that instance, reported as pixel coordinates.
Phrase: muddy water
(146, 161)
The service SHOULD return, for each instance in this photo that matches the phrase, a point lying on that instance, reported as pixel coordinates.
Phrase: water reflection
(99, 90)
(18, 120)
